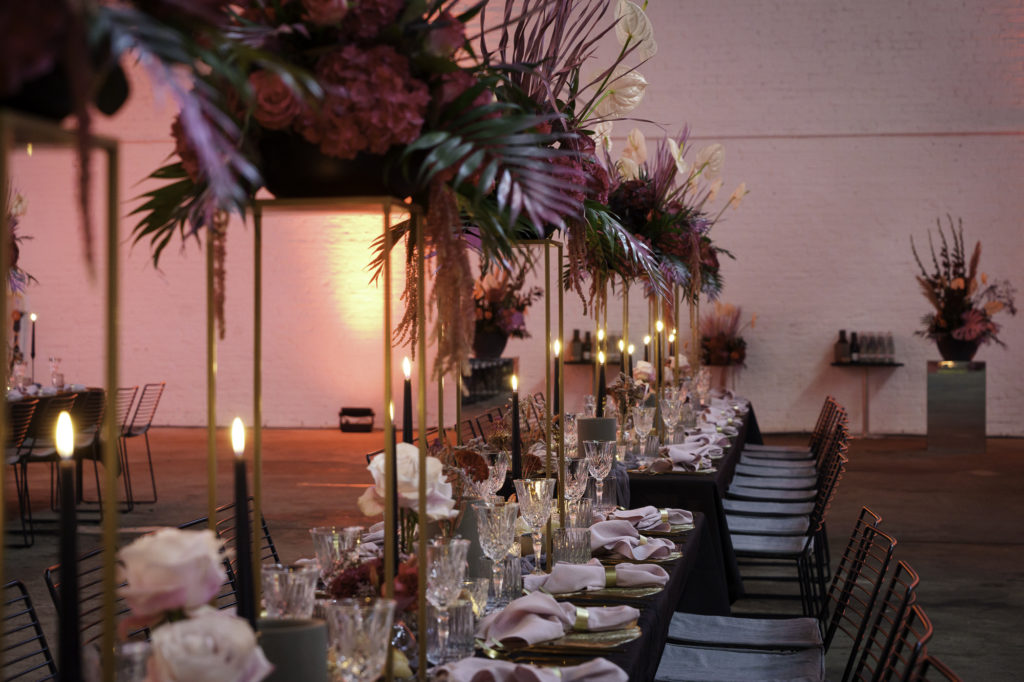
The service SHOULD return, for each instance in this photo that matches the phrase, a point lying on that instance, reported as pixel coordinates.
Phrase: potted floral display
(722, 342)
(964, 300)
(500, 305)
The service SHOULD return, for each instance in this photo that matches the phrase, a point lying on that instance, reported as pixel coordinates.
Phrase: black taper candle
(246, 606)
(647, 349)
(629, 361)
(601, 388)
(555, 407)
(69, 646)
(394, 486)
(33, 353)
(517, 451)
(407, 402)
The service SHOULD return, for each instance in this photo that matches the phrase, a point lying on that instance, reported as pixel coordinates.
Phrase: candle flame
(407, 366)
(622, 345)
(28, 149)
(647, 339)
(558, 347)
(631, 349)
(600, 335)
(238, 437)
(659, 325)
(672, 337)
(515, 383)
(65, 437)
(33, 317)
(391, 410)
(600, 356)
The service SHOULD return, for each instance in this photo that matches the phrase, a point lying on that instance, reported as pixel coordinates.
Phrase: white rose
(643, 371)
(709, 161)
(633, 25)
(212, 646)
(625, 92)
(440, 504)
(171, 569)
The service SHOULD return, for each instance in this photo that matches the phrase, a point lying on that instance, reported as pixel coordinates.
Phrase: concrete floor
(957, 519)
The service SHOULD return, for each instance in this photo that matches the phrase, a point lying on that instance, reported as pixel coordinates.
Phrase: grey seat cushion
(775, 482)
(767, 525)
(768, 545)
(750, 451)
(747, 493)
(769, 467)
(693, 664)
(761, 633)
(768, 508)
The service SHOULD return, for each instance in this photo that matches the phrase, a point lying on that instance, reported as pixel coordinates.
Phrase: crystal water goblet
(600, 455)
(333, 546)
(576, 472)
(670, 415)
(497, 468)
(496, 525)
(446, 569)
(643, 420)
(359, 630)
(534, 496)
(569, 432)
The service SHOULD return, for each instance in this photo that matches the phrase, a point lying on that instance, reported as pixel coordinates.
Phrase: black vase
(488, 344)
(953, 349)
(294, 168)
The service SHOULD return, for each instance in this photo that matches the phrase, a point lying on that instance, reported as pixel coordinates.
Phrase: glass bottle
(854, 347)
(841, 351)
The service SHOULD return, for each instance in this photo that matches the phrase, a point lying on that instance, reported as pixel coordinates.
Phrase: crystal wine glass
(600, 455)
(576, 472)
(334, 547)
(496, 524)
(357, 628)
(446, 569)
(569, 426)
(670, 415)
(497, 468)
(534, 496)
(643, 421)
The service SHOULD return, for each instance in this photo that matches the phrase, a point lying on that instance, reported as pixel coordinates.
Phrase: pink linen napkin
(717, 439)
(566, 578)
(651, 518)
(620, 537)
(484, 670)
(538, 617)
(689, 456)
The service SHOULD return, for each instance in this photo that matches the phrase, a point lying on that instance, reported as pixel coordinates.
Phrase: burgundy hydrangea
(366, 18)
(633, 201)
(372, 102)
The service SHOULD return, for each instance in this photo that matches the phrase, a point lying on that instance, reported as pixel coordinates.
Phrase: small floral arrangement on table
(170, 577)
(500, 302)
(16, 207)
(721, 340)
(964, 299)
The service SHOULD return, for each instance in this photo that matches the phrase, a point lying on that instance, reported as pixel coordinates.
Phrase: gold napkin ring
(582, 619)
(643, 539)
(664, 515)
(609, 576)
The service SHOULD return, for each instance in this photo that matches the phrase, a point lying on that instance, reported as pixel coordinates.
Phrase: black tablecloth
(703, 493)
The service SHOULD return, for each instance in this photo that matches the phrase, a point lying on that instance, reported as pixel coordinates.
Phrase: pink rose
(211, 646)
(325, 11)
(276, 105)
(171, 569)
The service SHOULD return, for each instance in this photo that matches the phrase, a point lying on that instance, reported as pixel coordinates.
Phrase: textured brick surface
(854, 124)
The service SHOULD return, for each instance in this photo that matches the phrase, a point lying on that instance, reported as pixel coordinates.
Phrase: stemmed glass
(600, 455)
(670, 415)
(497, 468)
(576, 472)
(569, 426)
(446, 569)
(534, 496)
(496, 524)
(643, 421)
(357, 627)
(334, 547)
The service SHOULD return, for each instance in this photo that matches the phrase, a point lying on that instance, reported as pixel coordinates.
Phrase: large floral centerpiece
(170, 577)
(964, 299)
(721, 332)
(500, 304)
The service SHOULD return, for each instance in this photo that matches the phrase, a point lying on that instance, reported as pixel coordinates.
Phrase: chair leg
(129, 500)
(152, 474)
(24, 504)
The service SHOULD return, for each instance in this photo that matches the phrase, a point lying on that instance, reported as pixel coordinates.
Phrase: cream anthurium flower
(716, 186)
(628, 168)
(677, 156)
(709, 161)
(603, 135)
(625, 92)
(737, 195)
(636, 146)
(632, 25)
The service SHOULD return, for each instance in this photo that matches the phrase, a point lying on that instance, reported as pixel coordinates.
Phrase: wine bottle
(842, 348)
(854, 347)
(575, 347)
(588, 349)
(890, 348)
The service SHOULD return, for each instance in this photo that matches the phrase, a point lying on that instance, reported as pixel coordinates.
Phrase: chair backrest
(20, 418)
(821, 426)
(931, 669)
(857, 581)
(828, 481)
(125, 402)
(149, 399)
(837, 427)
(892, 610)
(42, 430)
(467, 429)
(907, 645)
(25, 652)
(90, 596)
(87, 413)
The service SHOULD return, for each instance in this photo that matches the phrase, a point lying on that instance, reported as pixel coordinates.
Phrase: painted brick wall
(854, 125)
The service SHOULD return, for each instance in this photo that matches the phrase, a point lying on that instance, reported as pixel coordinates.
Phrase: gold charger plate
(612, 560)
(612, 593)
(571, 644)
(674, 530)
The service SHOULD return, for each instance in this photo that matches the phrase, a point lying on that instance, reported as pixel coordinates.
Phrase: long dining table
(703, 492)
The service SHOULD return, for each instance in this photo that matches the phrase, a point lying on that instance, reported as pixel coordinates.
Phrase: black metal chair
(19, 419)
(26, 655)
(893, 628)
(932, 669)
(90, 596)
(795, 453)
(142, 421)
